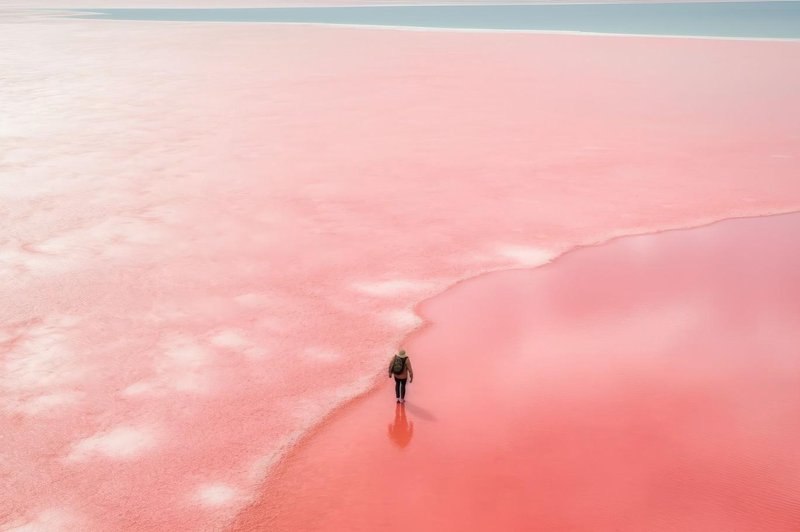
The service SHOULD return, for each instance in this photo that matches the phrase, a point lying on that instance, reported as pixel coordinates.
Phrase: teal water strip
(768, 19)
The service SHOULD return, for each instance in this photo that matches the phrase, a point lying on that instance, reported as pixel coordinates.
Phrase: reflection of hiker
(400, 367)
(401, 431)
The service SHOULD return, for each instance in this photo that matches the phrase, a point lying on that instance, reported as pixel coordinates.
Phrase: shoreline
(377, 382)
(323, 451)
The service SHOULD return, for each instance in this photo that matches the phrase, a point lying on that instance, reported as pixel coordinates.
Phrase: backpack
(398, 364)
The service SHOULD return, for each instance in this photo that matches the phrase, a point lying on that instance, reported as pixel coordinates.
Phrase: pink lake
(214, 235)
(647, 383)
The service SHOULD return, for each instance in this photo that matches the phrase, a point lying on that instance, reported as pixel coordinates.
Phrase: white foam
(120, 443)
(402, 318)
(526, 255)
(392, 287)
(308, 413)
(216, 495)
(262, 465)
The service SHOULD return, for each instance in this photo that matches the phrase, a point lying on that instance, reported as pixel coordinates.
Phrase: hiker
(400, 367)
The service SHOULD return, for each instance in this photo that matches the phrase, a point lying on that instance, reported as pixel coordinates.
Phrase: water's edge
(375, 383)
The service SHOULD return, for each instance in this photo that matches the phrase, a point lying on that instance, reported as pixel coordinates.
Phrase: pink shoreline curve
(650, 383)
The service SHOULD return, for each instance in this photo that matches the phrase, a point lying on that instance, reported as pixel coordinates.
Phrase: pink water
(651, 383)
(212, 236)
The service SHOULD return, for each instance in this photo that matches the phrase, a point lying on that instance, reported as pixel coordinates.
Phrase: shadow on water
(401, 430)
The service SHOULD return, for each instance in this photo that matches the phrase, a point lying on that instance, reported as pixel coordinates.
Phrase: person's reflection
(401, 431)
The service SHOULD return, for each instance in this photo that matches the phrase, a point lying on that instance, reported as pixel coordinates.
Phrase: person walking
(400, 368)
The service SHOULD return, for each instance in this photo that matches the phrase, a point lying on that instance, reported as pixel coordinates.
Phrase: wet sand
(647, 384)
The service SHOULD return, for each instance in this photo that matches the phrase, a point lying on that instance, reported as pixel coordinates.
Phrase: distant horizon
(237, 4)
(772, 19)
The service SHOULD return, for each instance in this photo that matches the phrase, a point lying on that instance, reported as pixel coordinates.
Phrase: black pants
(400, 388)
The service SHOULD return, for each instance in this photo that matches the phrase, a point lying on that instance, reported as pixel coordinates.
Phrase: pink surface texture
(213, 235)
(647, 384)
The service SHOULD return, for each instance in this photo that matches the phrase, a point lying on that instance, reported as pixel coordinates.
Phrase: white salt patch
(184, 365)
(236, 340)
(526, 255)
(216, 495)
(40, 361)
(322, 354)
(117, 236)
(230, 338)
(44, 404)
(392, 287)
(52, 520)
(106, 234)
(40, 370)
(404, 319)
(186, 353)
(120, 443)
(181, 365)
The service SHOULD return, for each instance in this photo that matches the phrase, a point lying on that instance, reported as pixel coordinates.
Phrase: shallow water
(647, 384)
(717, 19)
